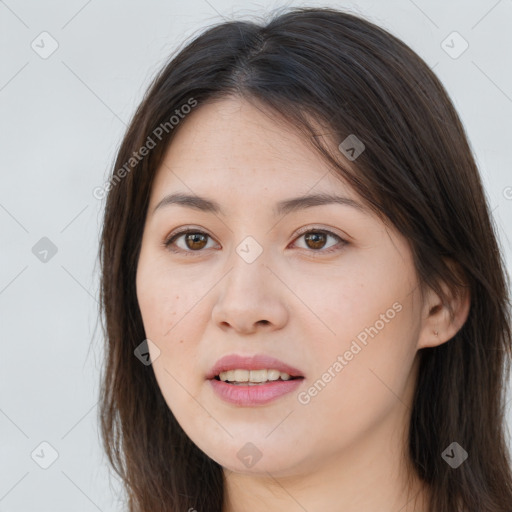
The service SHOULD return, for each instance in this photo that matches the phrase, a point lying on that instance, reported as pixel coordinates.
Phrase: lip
(248, 396)
(254, 362)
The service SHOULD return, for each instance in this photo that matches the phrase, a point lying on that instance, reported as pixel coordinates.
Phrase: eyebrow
(204, 204)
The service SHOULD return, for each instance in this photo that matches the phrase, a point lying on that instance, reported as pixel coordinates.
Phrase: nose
(250, 298)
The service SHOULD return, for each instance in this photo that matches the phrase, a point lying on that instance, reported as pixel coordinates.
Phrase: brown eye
(315, 239)
(194, 241)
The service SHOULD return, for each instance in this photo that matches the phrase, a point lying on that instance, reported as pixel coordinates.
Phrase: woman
(304, 302)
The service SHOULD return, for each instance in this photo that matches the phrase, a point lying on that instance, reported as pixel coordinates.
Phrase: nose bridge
(249, 294)
(249, 272)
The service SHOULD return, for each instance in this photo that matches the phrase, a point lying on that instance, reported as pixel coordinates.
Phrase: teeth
(253, 375)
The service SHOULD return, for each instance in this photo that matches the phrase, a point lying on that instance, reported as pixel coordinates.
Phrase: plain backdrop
(62, 116)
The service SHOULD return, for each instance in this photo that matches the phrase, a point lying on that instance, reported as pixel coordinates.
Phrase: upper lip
(254, 362)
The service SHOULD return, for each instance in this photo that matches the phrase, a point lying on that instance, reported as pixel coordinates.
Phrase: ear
(436, 315)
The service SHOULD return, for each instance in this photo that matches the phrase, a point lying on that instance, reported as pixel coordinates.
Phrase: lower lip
(254, 395)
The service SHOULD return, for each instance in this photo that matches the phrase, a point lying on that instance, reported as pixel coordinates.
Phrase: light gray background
(61, 120)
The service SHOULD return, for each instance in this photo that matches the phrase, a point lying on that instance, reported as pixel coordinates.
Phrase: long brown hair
(417, 172)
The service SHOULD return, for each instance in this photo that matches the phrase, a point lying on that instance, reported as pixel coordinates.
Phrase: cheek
(162, 297)
(166, 314)
(366, 389)
(380, 369)
(159, 308)
(374, 320)
(352, 306)
(170, 306)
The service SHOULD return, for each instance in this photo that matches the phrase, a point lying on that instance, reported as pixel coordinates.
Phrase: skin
(346, 445)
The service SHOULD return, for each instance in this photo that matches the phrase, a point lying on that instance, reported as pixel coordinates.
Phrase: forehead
(237, 146)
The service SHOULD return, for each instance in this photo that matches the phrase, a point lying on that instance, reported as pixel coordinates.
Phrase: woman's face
(324, 288)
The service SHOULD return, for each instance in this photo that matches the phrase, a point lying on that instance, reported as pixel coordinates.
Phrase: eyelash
(171, 239)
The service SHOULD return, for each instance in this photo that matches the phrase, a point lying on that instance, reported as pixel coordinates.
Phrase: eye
(316, 239)
(195, 240)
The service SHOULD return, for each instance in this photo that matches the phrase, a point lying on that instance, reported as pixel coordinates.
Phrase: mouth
(252, 370)
(253, 380)
(243, 388)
